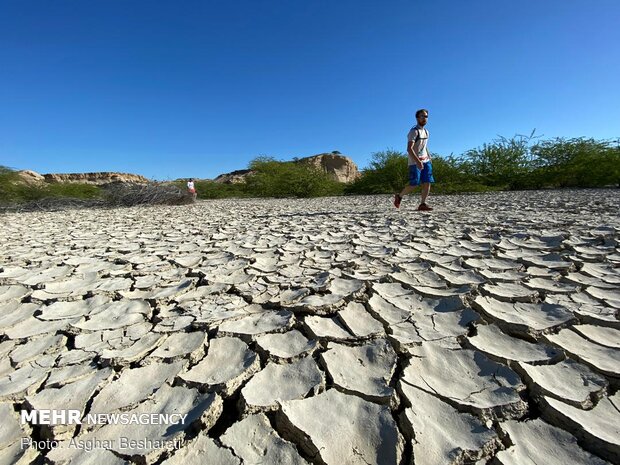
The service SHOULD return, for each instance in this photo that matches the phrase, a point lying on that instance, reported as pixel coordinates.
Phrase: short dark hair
(417, 113)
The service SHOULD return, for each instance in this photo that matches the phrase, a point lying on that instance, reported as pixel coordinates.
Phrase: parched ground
(325, 331)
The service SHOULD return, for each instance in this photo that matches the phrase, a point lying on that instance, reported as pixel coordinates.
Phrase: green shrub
(386, 173)
(274, 178)
(73, 190)
(577, 162)
(515, 163)
(500, 162)
(449, 170)
(215, 190)
(14, 190)
(9, 180)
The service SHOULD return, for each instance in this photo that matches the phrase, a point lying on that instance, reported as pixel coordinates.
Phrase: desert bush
(450, 170)
(273, 178)
(73, 190)
(500, 162)
(130, 194)
(207, 189)
(14, 190)
(521, 162)
(577, 162)
(215, 190)
(386, 173)
(9, 180)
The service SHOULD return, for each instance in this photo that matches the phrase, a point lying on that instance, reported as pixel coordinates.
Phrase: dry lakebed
(315, 331)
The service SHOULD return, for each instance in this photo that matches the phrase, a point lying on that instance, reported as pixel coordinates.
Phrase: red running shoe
(397, 199)
(425, 208)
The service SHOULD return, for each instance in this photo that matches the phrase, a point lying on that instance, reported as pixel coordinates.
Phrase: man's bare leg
(406, 190)
(398, 197)
(426, 189)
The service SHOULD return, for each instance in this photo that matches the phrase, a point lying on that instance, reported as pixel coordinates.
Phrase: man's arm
(428, 153)
(411, 151)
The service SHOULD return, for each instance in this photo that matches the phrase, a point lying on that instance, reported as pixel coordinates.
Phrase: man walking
(420, 166)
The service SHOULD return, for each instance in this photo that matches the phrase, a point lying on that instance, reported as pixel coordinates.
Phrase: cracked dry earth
(326, 331)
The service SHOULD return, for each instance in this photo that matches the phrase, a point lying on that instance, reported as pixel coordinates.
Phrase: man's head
(422, 116)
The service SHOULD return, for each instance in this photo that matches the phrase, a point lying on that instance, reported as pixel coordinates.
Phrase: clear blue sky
(196, 88)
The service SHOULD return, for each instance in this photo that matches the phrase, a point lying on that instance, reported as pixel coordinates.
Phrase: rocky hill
(341, 167)
(30, 177)
(234, 177)
(89, 178)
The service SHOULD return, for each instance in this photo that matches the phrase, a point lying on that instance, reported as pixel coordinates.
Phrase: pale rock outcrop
(234, 177)
(30, 177)
(97, 178)
(342, 168)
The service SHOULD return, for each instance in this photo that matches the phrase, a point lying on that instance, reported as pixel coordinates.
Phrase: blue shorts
(417, 176)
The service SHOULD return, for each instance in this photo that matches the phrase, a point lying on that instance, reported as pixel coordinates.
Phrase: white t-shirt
(190, 184)
(419, 135)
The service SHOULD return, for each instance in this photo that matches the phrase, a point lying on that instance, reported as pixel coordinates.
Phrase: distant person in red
(420, 166)
(190, 187)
